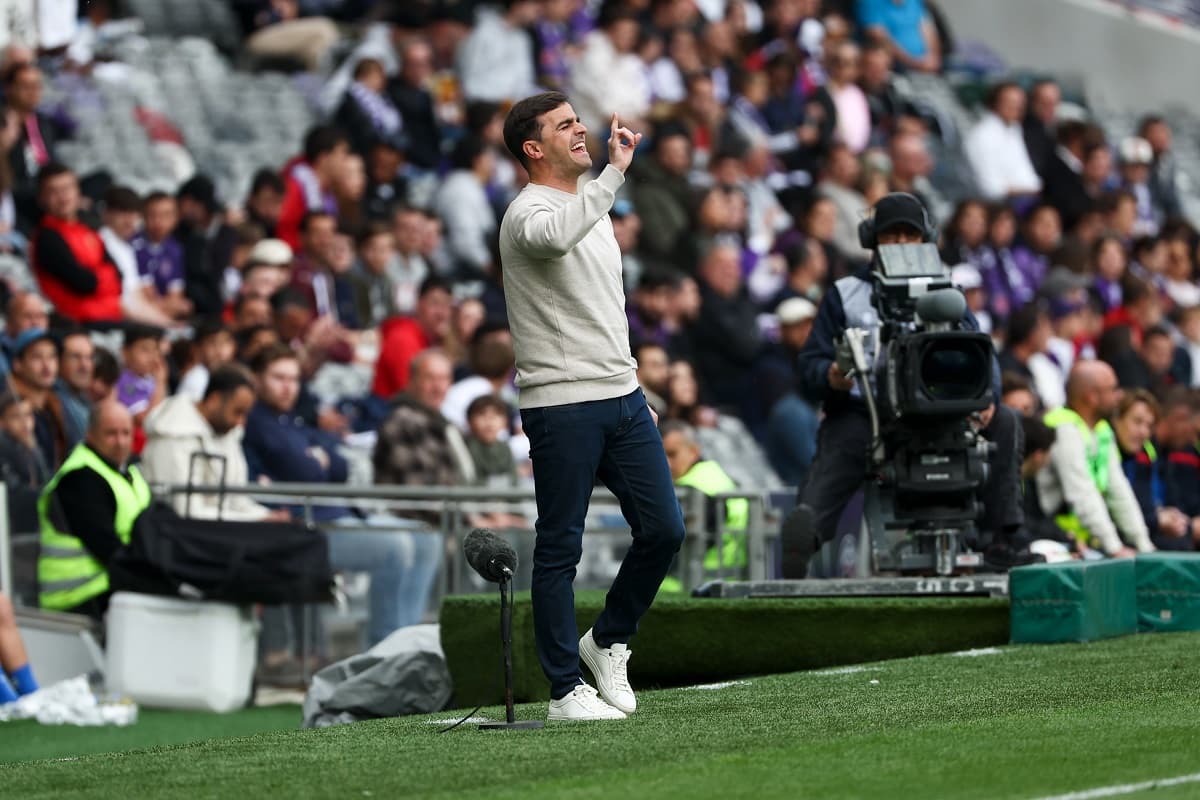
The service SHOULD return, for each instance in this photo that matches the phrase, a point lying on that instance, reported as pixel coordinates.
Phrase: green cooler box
(1168, 592)
(1074, 601)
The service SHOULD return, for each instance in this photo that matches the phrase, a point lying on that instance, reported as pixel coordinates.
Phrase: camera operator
(844, 438)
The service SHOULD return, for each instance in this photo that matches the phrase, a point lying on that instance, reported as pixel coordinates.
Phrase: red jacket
(75, 272)
(401, 338)
(302, 194)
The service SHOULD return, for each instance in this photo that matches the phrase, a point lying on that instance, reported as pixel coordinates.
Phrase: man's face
(17, 422)
(563, 145)
(722, 271)
(408, 228)
(1178, 428)
(266, 203)
(279, 385)
(1044, 102)
(433, 313)
(38, 365)
(1023, 401)
(217, 350)
(654, 369)
(112, 436)
(142, 356)
(900, 234)
(318, 237)
(25, 93)
(417, 64)
(123, 223)
(264, 280)
(1107, 393)
(77, 366)
(431, 381)
(28, 312)
(1135, 427)
(1158, 352)
(253, 311)
(59, 196)
(161, 218)
(1010, 105)
(796, 334)
(682, 454)
(224, 413)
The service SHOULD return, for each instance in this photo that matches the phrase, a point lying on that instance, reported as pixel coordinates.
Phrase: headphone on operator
(868, 237)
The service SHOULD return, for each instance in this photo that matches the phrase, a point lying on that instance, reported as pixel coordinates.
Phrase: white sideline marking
(712, 686)
(1125, 788)
(982, 651)
(847, 670)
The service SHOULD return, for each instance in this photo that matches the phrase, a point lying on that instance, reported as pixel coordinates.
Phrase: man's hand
(1124, 552)
(838, 379)
(278, 515)
(984, 417)
(320, 456)
(1173, 522)
(653, 414)
(621, 144)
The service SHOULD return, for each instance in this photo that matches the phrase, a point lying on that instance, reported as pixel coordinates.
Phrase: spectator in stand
(1041, 118)
(387, 184)
(462, 203)
(1136, 157)
(1185, 370)
(996, 150)
(1179, 465)
(207, 242)
(1045, 537)
(312, 272)
(1083, 486)
(410, 92)
(839, 182)
(496, 61)
(160, 257)
(726, 334)
(409, 230)
(76, 371)
(906, 29)
(1164, 173)
(377, 296)
(36, 142)
(970, 282)
(105, 372)
(843, 101)
(282, 29)
(1180, 273)
(309, 181)
(1016, 392)
(1108, 266)
(608, 76)
(367, 114)
(964, 241)
(807, 271)
(1028, 335)
(279, 446)
(1041, 235)
(1148, 367)
(1063, 186)
(878, 84)
(791, 438)
(268, 269)
(1141, 309)
(663, 198)
(349, 186)
(491, 457)
(492, 363)
(1119, 211)
(213, 347)
(1148, 261)
(911, 167)
(34, 373)
(1134, 424)
(122, 216)
(653, 374)
(143, 382)
(23, 471)
(69, 260)
(703, 117)
(265, 200)
(402, 338)
(26, 311)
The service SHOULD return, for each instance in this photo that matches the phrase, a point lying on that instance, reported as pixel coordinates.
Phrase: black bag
(231, 562)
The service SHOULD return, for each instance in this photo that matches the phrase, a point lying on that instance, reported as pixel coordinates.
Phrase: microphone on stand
(496, 561)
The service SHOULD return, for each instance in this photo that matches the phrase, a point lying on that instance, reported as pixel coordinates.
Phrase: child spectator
(377, 294)
(143, 382)
(1045, 537)
(1108, 264)
(213, 346)
(122, 216)
(487, 417)
(160, 256)
(105, 372)
(22, 467)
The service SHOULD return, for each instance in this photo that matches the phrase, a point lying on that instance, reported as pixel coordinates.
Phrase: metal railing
(454, 504)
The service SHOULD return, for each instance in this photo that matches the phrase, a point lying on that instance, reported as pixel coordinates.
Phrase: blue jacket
(278, 446)
(819, 352)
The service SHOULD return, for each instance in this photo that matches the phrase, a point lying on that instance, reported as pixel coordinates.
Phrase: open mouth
(578, 147)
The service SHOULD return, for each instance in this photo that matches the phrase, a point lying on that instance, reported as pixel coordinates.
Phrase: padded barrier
(1168, 592)
(1074, 601)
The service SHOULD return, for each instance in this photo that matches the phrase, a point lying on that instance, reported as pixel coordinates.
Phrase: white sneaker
(582, 704)
(608, 665)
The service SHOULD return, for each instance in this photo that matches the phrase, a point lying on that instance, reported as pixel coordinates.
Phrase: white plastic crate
(169, 653)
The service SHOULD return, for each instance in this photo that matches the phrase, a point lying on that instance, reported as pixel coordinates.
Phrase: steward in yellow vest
(86, 514)
(688, 469)
(1083, 486)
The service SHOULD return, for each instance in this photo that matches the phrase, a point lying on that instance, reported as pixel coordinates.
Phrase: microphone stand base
(519, 725)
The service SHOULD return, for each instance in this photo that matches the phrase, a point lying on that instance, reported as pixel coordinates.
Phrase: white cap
(275, 252)
(795, 310)
(1136, 150)
(966, 277)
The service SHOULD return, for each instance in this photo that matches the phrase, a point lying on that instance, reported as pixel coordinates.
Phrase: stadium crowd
(355, 293)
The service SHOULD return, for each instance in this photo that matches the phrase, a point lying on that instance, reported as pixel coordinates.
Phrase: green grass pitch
(1018, 722)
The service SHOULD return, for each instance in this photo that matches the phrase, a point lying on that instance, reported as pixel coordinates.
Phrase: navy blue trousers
(571, 446)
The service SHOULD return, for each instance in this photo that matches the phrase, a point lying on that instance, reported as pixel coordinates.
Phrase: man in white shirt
(996, 147)
(496, 61)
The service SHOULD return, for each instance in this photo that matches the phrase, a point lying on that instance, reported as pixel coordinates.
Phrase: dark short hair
(138, 333)
(1024, 322)
(266, 178)
(208, 327)
(487, 402)
(434, 283)
(522, 123)
(993, 94)
(106, 368)
(1038, 435)
(227, 379)
(309, 216)
(156, 197)
(8, 399)
(122, 198)
(321, 140)
(52, 170)
(287, 297)
(271, 354)
(1014, 382)
(366, 65)
(468, 149)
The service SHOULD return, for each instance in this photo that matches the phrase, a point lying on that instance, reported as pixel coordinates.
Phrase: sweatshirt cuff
(611, 178)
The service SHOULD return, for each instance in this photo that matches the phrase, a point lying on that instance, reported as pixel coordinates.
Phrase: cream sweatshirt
(566, 302)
